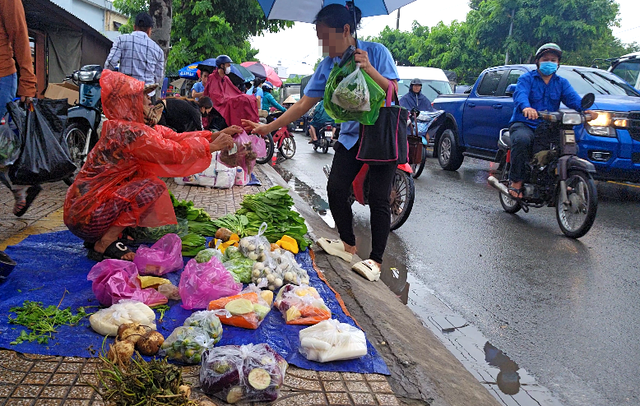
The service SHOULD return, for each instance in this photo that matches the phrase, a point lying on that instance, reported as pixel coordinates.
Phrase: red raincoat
(229, 101)
(119, 184)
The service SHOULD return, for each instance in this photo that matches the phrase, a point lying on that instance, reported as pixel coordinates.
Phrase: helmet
(223, 59)
(416, 81)
(549, 47)
(267, 85)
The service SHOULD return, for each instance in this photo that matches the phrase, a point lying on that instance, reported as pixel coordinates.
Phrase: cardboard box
(65, 90)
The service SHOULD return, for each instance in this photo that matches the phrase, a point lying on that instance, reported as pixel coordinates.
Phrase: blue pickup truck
(474, 120)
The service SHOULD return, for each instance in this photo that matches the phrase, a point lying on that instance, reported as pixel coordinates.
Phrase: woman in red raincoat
(118, 186)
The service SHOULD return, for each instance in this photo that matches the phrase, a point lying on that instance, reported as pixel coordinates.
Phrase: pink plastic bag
(115, 279)
(202, 283)
(249, 147)
(162, 257)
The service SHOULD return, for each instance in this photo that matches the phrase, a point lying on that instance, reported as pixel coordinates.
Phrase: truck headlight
(606, 123)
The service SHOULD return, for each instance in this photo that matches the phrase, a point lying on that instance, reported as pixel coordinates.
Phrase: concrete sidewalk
(423, 371)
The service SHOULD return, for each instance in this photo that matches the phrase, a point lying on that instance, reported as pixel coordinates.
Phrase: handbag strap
(391, 93)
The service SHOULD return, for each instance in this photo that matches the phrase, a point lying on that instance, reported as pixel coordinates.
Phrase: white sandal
(335, 248)
(368, 268)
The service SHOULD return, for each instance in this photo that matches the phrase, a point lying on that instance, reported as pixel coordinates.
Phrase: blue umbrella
(189, 71)
(306, 10)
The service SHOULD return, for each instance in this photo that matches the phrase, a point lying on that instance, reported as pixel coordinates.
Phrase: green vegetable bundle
(192, 244)
(42, 321)
(240, 269)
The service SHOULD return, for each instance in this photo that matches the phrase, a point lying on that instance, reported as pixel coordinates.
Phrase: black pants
(521, 142)
(344, 169)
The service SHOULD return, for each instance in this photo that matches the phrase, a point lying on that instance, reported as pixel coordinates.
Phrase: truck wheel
(449, 157)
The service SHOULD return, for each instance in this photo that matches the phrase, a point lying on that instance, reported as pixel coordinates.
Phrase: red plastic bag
(115, 279)
(162, 257)
(202, 283)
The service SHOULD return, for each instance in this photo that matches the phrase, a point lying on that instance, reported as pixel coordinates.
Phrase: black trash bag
(44, 156)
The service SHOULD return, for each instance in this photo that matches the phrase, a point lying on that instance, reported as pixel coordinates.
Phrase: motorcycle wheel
(76, 137)
(268, 139)
(401, 199)
(325, 145)
(418, 168)
(576, 218)
(288, 147)
(509, 205)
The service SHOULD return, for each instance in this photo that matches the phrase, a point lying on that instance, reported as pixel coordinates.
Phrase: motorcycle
(280, 138)
(556, 177)
(325, 138)
(81, 133)
(402, 192)
(422, 128)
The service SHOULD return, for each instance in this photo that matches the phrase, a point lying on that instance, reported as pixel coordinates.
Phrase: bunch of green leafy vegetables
(42, 321)
(192, 244)
(198, 220)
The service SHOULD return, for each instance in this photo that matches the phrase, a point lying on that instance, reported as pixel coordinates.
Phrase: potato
(150, 343)
(131, 332)
(223, 234)
(121, 352)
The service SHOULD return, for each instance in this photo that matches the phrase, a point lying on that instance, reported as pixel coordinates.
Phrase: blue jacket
(268, 100)
(531, 91)
(416, 100)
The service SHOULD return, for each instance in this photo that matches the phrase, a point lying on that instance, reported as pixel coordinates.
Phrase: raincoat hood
(122, 97)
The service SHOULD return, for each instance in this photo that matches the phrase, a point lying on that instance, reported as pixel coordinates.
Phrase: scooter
(281, 138)
(402, 192)
(423, 126)
(83, 122)
(556, 177)
(325, 138)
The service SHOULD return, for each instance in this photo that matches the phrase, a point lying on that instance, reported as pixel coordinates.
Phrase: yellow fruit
(293, 313)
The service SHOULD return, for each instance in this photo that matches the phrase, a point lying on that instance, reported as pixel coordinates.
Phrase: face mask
(227, 70)
(548, 68)
(152, 114)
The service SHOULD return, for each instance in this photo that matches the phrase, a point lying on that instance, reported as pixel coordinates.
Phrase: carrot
(311, 315)
(249, 320)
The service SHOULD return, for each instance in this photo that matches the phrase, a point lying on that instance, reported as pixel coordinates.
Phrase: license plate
(328, 134)
(569, 137)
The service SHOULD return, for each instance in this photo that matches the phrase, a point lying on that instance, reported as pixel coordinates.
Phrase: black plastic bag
(44, 156)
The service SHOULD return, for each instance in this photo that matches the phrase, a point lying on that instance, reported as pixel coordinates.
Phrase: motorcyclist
(320, 118)
(414, 99)
(268, 100)
(223, 65)
(538, 90)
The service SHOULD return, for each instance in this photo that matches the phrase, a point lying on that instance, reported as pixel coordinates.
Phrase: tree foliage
(581, 27)
(207, 28)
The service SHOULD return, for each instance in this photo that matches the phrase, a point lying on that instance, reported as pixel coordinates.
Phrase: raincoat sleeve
(169, 134)
(173, 155)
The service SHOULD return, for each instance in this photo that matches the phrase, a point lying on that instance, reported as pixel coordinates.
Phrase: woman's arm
(296, 111)
(362, 57)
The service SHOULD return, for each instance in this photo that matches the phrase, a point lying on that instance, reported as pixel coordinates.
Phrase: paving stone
(339, 398)
(363, 399)
(380, 386)
(355, 386)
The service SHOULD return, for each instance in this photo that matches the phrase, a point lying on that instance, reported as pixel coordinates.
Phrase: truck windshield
(599, 82)
(629, 71)
(430, 88)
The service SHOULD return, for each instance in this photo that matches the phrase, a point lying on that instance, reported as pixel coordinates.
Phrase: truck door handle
(471, 104)
(497, 106)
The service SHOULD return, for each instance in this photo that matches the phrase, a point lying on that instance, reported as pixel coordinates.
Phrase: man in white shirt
(138, 55)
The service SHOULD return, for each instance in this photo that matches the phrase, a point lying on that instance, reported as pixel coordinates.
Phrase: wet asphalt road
(568, 311)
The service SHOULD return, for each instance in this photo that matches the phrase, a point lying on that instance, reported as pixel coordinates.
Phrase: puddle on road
(504, 379)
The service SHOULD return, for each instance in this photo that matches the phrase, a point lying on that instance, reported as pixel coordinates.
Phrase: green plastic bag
(376, 97)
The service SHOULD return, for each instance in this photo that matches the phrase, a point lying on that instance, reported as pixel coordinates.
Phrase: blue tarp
(50, 264)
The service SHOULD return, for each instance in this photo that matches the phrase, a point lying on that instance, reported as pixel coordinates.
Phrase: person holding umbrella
(335, 27)
(223, 65)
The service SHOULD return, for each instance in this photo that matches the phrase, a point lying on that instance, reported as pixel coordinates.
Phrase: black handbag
(385, 142)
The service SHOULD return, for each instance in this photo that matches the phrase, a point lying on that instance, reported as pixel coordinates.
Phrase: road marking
(623, 184)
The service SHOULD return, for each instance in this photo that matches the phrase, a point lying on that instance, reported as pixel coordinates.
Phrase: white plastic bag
(106, 321)
(352, 94)
(331, 340)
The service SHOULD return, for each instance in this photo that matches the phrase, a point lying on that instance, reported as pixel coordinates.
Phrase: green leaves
(42, 322)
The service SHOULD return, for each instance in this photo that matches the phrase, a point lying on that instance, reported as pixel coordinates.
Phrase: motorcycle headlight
(86, 76)
(571, 119)
(606, 123)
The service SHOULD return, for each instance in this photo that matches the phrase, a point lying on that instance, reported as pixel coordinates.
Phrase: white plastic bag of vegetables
(248, 373)
(186, 344)
(331, 340)
(352, 94)
(256, 247)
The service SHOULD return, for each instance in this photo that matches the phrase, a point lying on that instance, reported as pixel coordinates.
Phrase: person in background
(223, 65)
(257, 91)
(184, 115)
(138, 55)
(320, 118)
(197, 91)
(414, 99)
(268, 100)
(15, 50)
(335, 28)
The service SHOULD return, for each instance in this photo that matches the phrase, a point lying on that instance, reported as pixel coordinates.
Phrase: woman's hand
(232, 130)
(222, 142)
(255, 128)
(362, 57)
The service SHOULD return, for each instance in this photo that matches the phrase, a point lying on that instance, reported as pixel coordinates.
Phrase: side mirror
(587, 101)
(511, 89)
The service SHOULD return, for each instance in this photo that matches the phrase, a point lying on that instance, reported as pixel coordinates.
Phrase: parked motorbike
(81, 133)
(556, 177)
(422, 128)
(402, 192)
(281, 138)
(325, 138)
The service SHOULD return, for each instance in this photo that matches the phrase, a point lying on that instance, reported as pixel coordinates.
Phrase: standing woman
(335, 27)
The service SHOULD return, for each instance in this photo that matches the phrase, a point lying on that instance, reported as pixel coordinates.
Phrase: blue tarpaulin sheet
(50, 264)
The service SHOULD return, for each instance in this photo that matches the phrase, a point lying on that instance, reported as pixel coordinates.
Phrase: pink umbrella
(263, 71)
